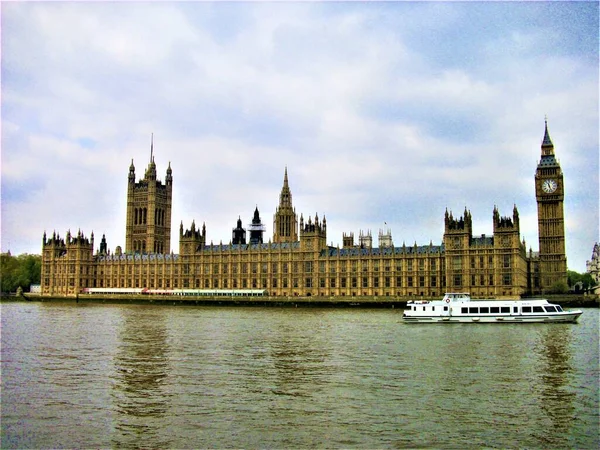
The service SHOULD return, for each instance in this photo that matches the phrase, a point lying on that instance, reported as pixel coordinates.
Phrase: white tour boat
(459, 308)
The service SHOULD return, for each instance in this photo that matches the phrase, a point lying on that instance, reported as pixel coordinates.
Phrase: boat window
(550, 308)
(445, 308)
(515, 309)
(506, 309)
(473, 310)
(484, 310)
(464, 310)
(526, 309)
(423, 308)
(559, 308)
(538, 309)
(494, 309)
(433, 308)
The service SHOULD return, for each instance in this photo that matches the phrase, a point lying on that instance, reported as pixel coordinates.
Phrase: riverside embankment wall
(340, 302)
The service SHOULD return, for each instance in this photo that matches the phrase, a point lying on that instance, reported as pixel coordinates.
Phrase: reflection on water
(127, 376)
(556, 398)
(141, 368)
(298, 360)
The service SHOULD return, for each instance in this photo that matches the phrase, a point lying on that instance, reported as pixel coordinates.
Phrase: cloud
(383, 112)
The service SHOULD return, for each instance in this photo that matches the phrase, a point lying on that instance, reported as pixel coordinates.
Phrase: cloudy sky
(383, 113)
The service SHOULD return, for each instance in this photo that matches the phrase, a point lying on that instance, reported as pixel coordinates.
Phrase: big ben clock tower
(549, 193)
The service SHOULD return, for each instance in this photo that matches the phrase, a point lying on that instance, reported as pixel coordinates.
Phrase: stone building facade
(593, 267)
(297, 260)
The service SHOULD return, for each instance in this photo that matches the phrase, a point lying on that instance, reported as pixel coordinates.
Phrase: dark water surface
(133, 376)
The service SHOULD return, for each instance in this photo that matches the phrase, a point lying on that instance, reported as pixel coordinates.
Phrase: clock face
(549, 186)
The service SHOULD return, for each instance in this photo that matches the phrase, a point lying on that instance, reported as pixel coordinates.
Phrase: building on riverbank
(593, 267)
(297, 261)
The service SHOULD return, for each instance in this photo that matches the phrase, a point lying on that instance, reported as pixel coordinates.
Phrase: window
(473, 310)
(484, 310)
(550, 308)
(494, 310)
(538, 309)
(464, 310)
(526, 309)
(505, 309)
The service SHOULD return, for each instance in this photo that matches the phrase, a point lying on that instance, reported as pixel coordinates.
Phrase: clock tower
(549, 193)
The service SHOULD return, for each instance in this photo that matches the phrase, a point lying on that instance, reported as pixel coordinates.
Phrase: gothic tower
(549, 193)
(458, 234)
(285, 220)
(313, 235)
(256, 229)
(148, 228)
(238, 234)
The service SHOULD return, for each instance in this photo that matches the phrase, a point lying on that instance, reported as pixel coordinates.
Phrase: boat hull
(565, 317)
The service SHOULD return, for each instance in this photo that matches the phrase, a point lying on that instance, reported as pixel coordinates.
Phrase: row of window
(506, 309)
(500, 309)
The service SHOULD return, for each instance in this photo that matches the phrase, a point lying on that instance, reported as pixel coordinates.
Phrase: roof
(384, 251)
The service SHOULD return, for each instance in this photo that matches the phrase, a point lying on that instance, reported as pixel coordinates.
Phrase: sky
(384, 113)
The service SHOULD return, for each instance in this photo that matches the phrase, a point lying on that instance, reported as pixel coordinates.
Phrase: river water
(134, 376)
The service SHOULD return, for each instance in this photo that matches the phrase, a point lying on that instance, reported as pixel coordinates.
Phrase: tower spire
(151, 147)
(547, 142)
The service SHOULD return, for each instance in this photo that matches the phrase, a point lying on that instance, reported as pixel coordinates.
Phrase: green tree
(559, 287)
(20, 271)
(584, 278)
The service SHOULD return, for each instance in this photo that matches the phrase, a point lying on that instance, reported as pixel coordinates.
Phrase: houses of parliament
(297, 261)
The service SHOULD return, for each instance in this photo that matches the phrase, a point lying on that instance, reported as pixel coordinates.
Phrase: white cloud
(382, 112)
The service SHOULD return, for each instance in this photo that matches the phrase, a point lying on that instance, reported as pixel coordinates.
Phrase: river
(135, 376)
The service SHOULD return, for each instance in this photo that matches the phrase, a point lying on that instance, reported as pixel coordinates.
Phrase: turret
(169, 178)
(238, 235)
(131, 177)
(256, 229)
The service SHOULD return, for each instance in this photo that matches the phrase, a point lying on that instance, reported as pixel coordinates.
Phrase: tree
(20, 271)
(558, 287)
(586, 280)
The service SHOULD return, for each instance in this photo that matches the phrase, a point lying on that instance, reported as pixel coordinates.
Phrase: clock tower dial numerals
(549, 186)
